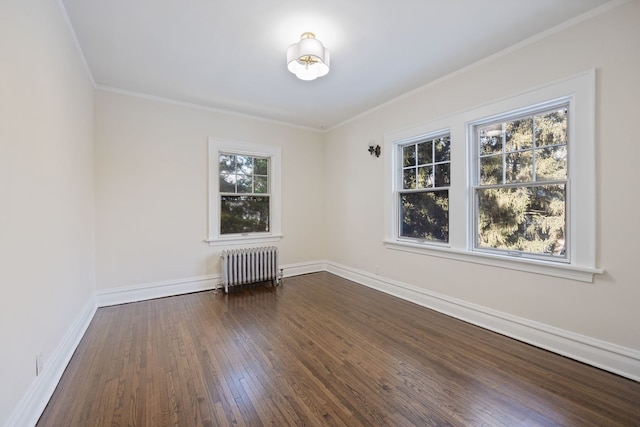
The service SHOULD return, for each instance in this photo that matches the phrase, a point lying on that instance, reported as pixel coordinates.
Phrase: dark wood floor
(320, 350)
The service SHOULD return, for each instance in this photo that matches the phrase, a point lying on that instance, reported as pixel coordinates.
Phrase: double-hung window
(424, 189)
(244, 192)
(510, 183)
(520, 183)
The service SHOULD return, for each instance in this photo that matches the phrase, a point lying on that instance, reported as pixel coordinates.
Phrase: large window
(424, 189)
(520, 183)
(244, 192)
(510, 183)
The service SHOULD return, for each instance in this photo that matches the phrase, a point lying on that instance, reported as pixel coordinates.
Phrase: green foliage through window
(424, 192)
(244, 194)
(244, 214)
(522, 183)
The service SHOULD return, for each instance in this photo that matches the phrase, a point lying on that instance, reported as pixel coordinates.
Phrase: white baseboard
(146, 291)
(301, 268)
(604, 355)
(167, 288)
(41, 389)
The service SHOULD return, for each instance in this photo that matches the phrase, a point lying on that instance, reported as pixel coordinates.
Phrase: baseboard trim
(41, 389)
(167, 288)
(301, 268)
(611, 357)
(146, 291)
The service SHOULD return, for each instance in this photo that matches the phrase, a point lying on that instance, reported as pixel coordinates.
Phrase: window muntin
(521, 184)
(244, 193)
(423, 196)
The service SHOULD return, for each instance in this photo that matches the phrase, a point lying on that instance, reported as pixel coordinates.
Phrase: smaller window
(424, 189)
(244, 194)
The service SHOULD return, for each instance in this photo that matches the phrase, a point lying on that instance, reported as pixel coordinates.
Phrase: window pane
(527, 219)
(491, 170)
(519, 167)
(442, 175)
(551, 128)
(227, 182)
(519, 134)
(425, 177)
(261, 184)
(227, 163)
(443, 149)
(244, 184)
(244, 214)
(409, 155)
(551, 163)
(244, 164)
(425, 153)
(425, 215)
(409, 179)
(490, 139)
(261, 166)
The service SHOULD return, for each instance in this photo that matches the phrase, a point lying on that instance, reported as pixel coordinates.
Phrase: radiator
(243, 266)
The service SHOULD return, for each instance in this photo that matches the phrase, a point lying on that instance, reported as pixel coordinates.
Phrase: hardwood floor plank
(320, 351)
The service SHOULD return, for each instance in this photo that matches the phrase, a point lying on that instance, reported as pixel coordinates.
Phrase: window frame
(579, 90)
(224, 194)
(475, 185)
(400, 168)
(217, 146)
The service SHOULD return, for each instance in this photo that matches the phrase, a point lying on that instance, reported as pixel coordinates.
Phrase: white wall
(151, 189)
(46, 191)
(607, 309)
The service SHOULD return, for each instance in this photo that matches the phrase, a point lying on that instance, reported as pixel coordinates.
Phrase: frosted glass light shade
(308, 59)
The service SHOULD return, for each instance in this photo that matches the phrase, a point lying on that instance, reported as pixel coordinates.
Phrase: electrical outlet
(39, 363)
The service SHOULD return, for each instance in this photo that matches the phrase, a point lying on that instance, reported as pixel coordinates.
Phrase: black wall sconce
(374, 151)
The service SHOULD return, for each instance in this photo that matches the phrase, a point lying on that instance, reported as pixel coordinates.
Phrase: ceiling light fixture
(308, 59)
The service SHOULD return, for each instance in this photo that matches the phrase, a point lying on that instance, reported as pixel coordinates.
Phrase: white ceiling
(231, 55)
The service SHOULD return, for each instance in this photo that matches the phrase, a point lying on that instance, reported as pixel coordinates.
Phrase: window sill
(240, 240)
(565, 271)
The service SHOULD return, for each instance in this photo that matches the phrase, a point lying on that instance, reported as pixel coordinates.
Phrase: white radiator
(242, 266)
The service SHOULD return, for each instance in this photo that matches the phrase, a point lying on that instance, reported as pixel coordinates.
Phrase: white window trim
(217, 146)
(581, 265)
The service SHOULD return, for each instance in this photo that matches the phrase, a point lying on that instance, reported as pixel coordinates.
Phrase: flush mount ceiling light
(308, 59)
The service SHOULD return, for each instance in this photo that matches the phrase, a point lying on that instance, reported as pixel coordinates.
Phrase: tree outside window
(424, 192)
(244, 194)
(521, 183)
